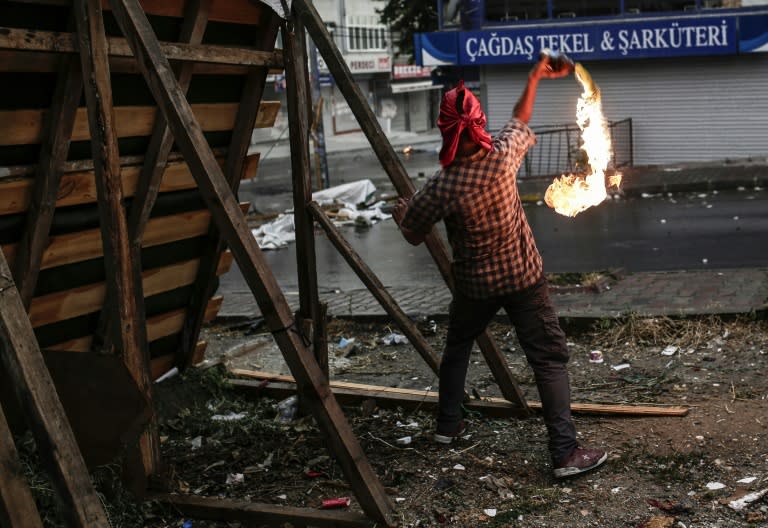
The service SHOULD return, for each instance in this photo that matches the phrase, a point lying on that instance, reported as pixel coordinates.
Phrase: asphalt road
(689, 231)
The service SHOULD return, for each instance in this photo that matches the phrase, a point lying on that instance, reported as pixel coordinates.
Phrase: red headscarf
(452, 123)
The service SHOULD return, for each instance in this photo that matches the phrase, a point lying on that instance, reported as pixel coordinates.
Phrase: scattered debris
(230, 417)
(394, 339)
(339, 502)
(739, 503)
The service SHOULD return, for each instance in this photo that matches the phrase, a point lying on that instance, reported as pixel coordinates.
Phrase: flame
(571, 194)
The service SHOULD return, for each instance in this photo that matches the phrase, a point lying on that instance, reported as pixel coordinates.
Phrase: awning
(414, 87)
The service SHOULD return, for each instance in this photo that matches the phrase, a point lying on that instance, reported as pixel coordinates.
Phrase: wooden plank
(253, 513)
(17, 506)
(61, 42)
(229, 220)
(79, 187)
(86, 245)
(297, 81)
(158, 326)
(83, 300)
(428, 399)
(232, 11)
(236, 166)
(122, 262)
(374, 285)
(53, 154)
(44, 62)
(399, 177)
(192, 30)
(25, 127)
(33, 387)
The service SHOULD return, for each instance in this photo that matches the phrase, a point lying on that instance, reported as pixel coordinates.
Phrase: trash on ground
(459, 467)
(739, 503)
(357, 192)
(394, 339)
(715, 485)
(499, 485)
(404, 440)
(669, 350)
(339, 502)
(171, 373)
(311, 474)
(490, 512)
(621, 366)
(596, 356)
(671, 506)
(234, 479)
(196, 442)
(286, 409)
(230, 417)
(747, 480)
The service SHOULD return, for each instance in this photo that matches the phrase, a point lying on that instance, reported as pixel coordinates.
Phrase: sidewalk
(661, 293)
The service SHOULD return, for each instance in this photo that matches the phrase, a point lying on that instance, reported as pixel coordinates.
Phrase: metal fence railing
(558, 150)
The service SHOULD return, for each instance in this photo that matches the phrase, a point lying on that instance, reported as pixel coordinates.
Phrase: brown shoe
(581, 460)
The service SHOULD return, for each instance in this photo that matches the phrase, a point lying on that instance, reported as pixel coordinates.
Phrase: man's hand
(398, 213)
(546, 69)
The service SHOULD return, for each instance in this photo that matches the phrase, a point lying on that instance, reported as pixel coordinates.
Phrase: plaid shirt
(493, 248)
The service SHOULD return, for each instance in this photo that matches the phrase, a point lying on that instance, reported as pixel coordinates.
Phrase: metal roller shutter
(682, 110)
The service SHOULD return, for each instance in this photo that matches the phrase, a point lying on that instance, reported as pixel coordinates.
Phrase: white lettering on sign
(672, 37)
(622, 41)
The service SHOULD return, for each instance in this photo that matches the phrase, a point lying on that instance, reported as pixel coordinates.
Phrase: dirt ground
(669, 471)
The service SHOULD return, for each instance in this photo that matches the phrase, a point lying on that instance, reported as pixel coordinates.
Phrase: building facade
(402, 97)
(692, 75)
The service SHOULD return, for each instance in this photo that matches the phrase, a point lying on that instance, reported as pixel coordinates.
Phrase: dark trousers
(531, 313)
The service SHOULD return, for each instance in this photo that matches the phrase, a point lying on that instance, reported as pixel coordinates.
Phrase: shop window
(514, 11)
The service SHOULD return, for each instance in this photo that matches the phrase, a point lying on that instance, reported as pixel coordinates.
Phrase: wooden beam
(62, 42)
(122, 263)
(192, 30)
(230, 221)
(79, 187)
(25, 127)
(33, 387)
(399, 177)
(17, 506)
(45, 62)
(235, 167)
(59, 306)
(253, 513)
(53, 154)
(412, 398)
(297, 81)
(377, 289)
(231, 11)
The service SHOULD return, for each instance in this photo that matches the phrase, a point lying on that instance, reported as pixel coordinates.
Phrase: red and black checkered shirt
(493, 248)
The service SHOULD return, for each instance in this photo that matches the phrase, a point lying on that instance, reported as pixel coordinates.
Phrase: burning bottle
(557, 60)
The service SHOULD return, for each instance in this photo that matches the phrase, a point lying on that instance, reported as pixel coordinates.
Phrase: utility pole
(318, 136)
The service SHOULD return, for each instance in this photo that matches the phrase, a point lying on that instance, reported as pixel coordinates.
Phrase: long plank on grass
(237, 156)
(46, 41)
(399, 177)
(25, 126)
(217, 193)
(32, 384)
(122, 263)
(53, 154)
(374, 285)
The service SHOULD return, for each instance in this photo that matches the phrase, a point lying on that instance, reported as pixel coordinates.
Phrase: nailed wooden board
(25, 127)
(79, 187)
(87, 299)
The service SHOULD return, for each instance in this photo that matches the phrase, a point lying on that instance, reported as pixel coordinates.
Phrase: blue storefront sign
(637, 39)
